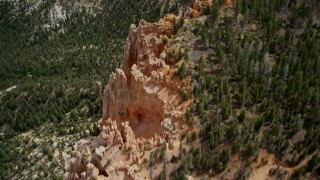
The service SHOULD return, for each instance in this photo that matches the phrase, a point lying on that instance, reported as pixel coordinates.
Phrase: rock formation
(141, 106)
(228, 2)
(200, 5)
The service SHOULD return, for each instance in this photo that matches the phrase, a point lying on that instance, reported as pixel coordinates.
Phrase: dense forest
(260, 89)
(54, 68)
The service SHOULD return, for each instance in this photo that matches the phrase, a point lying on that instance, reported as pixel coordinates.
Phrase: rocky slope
(142, 106)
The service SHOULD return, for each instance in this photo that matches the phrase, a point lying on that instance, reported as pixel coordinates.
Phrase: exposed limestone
(228, 2)
(143, 89)
(92, 171)
(110, 133)
(141, 106)
(100, 151)
(200, 5)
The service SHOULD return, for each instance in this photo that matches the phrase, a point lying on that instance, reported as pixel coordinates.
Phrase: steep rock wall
(143, 92)
(141, 105)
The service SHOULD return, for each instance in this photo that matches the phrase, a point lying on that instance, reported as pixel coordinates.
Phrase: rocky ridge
(142, 105)
(143, 108)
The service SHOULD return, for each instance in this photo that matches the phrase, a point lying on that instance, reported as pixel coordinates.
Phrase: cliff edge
(142, 106)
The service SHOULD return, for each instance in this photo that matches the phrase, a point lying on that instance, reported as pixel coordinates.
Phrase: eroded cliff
(142, 106)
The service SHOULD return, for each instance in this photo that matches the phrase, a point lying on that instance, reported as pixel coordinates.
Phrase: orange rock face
(137, 100)
(143, 92)
(228, 2)
(200, 5)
